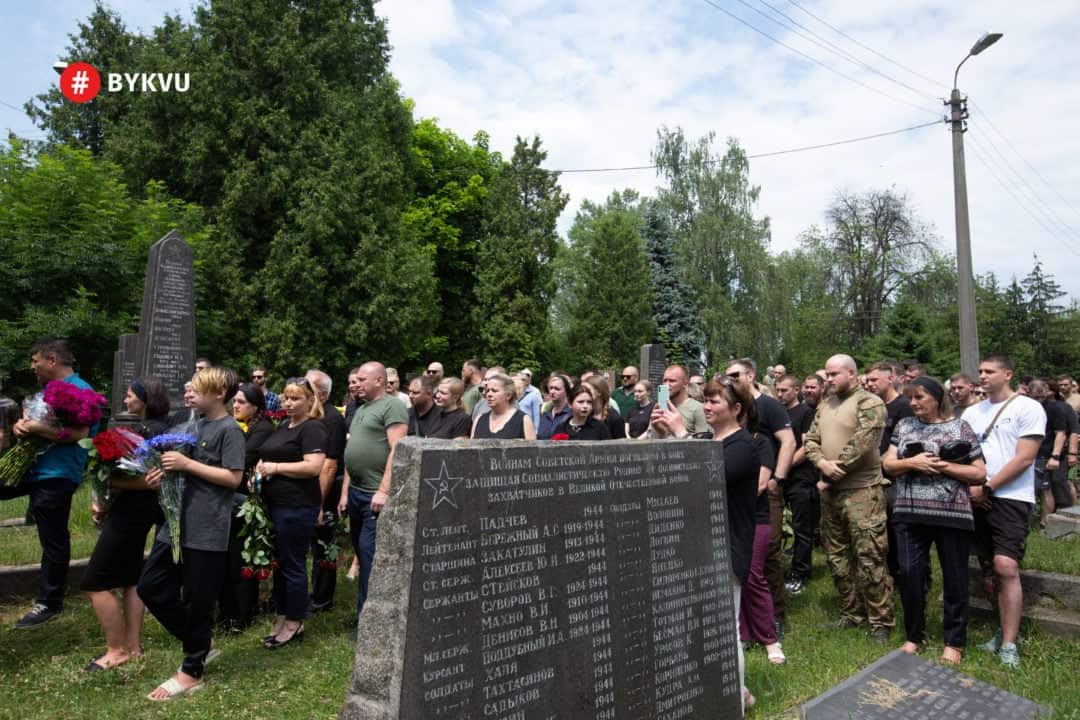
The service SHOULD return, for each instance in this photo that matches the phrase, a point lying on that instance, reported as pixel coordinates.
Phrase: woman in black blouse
(603, 410)
(637, 417)
(504, 421)
(239, 597)
(581, 425)
(117, 559)
(729, 410)
(454, 424)
(290, 462)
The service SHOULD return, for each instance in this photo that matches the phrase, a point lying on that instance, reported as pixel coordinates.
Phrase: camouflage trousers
(856, 544)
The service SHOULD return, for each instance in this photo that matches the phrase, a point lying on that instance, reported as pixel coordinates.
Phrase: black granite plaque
(571, 580)
(166, 347)
(906, 686)
(653, 363)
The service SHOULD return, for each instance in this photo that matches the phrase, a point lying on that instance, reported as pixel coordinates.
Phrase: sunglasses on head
(301, 381)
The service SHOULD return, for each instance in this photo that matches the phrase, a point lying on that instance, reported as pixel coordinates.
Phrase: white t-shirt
(1024, 418)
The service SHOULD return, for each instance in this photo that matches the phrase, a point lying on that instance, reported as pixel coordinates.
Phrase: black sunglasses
(734, 375)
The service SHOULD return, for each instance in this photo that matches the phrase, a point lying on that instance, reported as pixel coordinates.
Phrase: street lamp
(969, 331)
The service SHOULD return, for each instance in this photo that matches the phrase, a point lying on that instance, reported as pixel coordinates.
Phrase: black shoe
(779, 626)
(274, 644)
(38, 615)
(880, 635)
(322, 607)
(843, 624)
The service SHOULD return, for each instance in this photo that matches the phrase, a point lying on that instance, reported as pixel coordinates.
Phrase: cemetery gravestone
(550, 580)
(653, 363)
(165, 344)
(906, 686)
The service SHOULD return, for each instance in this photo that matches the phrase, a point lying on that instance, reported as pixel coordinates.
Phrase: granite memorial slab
(653, 364)
(906, 687)
(123, 371)
(166, 338)
(550, 580)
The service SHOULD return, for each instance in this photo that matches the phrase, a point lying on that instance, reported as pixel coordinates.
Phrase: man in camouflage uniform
(843, 443)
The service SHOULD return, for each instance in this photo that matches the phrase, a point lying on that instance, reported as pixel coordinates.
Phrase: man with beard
(961, 387)
(800, 489)
(624, 394)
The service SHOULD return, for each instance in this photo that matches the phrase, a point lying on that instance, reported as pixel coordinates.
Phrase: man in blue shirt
(51, 482)
(530, 400)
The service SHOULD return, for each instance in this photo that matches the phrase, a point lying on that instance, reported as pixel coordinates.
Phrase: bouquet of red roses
(61, 404)
(105, 450)
(258, 536)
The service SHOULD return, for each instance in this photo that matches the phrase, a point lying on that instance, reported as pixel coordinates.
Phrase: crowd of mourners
(875, 467)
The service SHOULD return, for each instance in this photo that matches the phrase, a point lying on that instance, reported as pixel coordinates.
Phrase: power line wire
(983, 114)
(1023, 206)
(774, 153)
(840, 32)
(815, 60)
(832, 47)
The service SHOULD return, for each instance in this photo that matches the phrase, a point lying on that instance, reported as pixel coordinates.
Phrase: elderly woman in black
(118, 556)
(239, 597)
(290, 462)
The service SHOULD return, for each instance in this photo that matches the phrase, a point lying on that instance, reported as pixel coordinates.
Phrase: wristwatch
(988, 488)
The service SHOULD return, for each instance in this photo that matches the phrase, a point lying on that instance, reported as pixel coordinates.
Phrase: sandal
(775, 653)
(174, 689)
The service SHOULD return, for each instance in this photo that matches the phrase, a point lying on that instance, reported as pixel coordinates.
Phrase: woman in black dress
(239, 597)
(504, 421)
(118, 555)
(603, 409)
(454, 424)
(290, 462)
(582, 425)
(638, 416)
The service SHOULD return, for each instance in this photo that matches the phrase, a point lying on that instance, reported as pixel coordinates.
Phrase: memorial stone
(906, 686)
(653, 363)
(166, 339)
(550, 580)
(123, 372)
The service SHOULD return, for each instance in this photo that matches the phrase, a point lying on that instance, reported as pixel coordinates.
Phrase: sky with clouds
(595, 81)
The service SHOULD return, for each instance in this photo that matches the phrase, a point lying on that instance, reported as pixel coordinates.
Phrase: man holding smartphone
(673, 392)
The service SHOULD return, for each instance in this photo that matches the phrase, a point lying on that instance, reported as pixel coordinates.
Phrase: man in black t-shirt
(1048, 459)
(881, 380)
(424, 417)
(800, 489)
(324, 579)
(775, 424)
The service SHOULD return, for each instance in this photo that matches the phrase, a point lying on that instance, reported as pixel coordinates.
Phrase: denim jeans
(362, 522)
(294, 528)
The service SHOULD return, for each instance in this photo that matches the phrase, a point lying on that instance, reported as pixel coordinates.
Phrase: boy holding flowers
(181, 596)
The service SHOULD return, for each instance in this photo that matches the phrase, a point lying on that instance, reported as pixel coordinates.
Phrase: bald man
(843, 443)
(376, 427)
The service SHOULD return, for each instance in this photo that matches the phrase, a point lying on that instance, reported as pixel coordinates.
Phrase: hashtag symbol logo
(80, 82)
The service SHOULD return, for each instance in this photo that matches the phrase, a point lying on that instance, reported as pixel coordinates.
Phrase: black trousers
(182, 598)
(802, 497)
(50, 507)
(324, 580)
(238, 602)
(913, 563)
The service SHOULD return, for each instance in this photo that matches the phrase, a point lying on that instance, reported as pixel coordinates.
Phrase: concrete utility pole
(969, 329)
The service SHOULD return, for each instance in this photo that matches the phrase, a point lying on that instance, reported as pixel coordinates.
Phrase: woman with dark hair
(637, 417)
(239, 597)
(933, 458)
(603, 410)
(117, 559)
(290, 461)
(582, 423)
(558, 388)
(504, 421)
(728, 410)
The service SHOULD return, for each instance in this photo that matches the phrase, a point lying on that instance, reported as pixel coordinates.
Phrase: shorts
(1042, 475)
(1003, 529)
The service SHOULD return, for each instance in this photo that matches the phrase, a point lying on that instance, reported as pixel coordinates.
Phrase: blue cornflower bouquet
(171, 491)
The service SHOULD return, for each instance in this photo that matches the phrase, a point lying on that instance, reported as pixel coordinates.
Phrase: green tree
(73, 248)
(674, 307)
(514, 278)
(720, 245)
(1044, 313)
(605, 301)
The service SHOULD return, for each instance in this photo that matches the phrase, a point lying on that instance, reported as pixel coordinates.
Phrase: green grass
(1059, 556)
(40, 670)
(20, 546)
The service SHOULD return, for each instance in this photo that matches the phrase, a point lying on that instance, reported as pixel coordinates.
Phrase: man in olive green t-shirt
(376, 427)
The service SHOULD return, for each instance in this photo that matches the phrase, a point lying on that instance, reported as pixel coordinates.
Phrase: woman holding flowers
(180, 588)
(290, 462)
(240, 595)
(117, 559)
